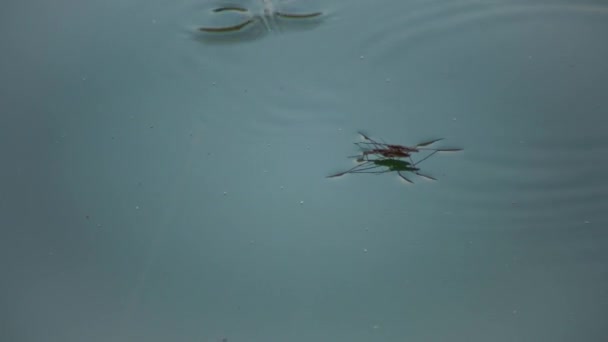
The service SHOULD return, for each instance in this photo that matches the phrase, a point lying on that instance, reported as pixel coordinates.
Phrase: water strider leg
(366, 170)
(372, 141)
(372, 172)
(228, 28)
(425, 176)
(404, 178)
(230, 8)
(418, 162)
(423, 159)
(297, 15)
(426, 143)
(349, 170)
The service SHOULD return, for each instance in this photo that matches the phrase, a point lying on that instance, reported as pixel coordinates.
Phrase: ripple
(550, 182)
(425, 23)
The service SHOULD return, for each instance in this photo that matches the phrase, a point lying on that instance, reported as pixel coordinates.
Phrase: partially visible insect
(267, 17)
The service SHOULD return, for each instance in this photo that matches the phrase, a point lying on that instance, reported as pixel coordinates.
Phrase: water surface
(158, 185)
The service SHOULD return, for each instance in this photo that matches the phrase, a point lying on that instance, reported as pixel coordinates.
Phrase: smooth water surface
(160, 184)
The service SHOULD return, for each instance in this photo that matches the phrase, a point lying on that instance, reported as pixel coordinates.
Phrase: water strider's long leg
(372, 172)
(416, 163)
(297, 15)
(422, 145)
(383, 145)
(403, 177)
(426, 143)
(413, 149)
(364, 145)
(366, 170)
(365, 136)
(359, 157)
(230, 8)
(349, 170)
(425, 158)
(228, 28)
(419, 146)
(372, 141)
(425, 176)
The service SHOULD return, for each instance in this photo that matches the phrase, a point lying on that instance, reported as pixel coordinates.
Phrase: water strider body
(267, 17)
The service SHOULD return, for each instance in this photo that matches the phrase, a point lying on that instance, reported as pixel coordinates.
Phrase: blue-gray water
(160, 185)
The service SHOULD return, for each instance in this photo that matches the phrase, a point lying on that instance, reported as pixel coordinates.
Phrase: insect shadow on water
(389, 158)
(267, 17)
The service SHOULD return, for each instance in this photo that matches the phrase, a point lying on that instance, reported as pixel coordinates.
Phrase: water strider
(267, 16)
(386, 158)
